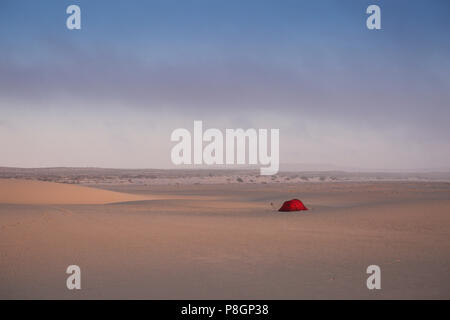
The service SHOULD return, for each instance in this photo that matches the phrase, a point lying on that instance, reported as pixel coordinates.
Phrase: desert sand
(225, 241)
(14, 191)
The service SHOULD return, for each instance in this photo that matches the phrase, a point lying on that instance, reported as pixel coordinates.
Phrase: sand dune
(14, 191)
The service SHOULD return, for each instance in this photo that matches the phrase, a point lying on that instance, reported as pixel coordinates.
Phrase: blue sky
(111, 93)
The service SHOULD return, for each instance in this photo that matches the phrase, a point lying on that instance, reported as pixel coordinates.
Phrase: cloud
(324, 81)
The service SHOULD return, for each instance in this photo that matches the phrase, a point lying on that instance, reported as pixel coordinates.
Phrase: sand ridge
(15, 191)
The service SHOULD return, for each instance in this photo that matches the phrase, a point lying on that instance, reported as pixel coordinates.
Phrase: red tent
(293, 205)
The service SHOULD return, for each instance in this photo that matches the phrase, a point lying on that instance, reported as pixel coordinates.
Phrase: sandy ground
(15, 191)
(227, 241)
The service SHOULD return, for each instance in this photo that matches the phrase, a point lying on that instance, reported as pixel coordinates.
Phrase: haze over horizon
(110, 94)
(284, 167)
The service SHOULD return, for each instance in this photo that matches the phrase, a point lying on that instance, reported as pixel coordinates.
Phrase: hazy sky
(111, 93)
